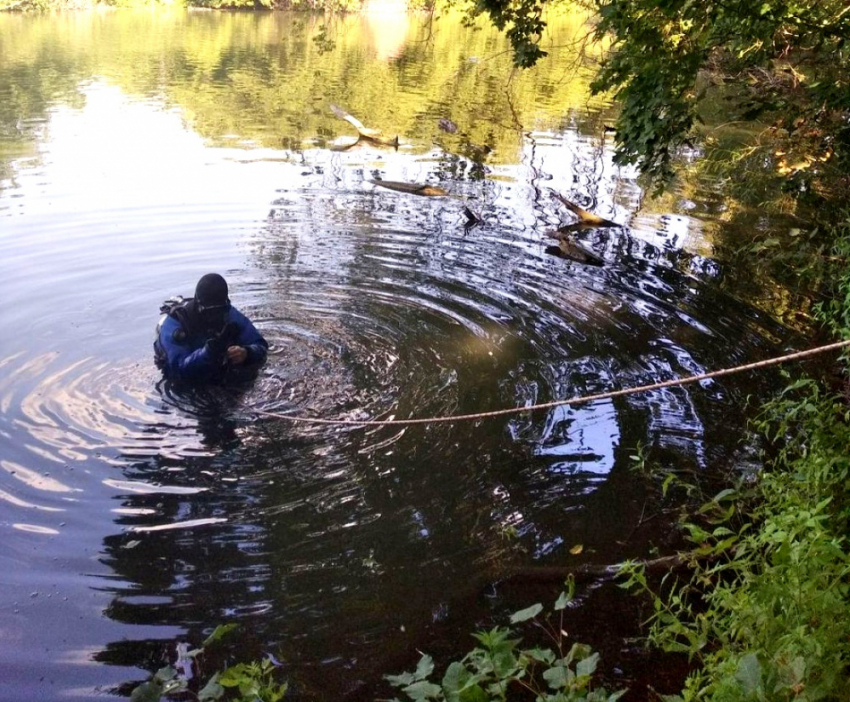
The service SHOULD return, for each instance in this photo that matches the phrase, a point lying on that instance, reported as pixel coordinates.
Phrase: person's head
(211, 300)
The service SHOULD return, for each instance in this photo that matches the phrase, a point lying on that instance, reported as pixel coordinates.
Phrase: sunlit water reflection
(134, 512)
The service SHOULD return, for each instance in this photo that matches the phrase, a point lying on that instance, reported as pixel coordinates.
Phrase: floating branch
(349, 143)
(587, 219)
(472, 219)
(412, 188)
(570, 248)
(374, 135)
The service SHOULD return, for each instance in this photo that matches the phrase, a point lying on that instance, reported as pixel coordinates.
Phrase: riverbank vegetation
(256, 681)
(498, 666)
(762, 614)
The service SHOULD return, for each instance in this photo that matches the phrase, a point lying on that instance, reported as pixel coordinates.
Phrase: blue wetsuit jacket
(186, 356)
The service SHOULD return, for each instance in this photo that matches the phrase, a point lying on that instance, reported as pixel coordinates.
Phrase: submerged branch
(588, 571)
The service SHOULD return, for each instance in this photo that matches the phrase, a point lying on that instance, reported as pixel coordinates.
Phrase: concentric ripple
(384, 310)
(135, 511)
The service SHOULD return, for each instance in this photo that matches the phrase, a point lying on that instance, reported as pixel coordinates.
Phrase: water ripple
(170, 509)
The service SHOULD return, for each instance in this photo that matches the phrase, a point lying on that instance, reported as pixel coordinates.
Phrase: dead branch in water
(588, 219)
(411, 188)
(374, 135)
(588, 571)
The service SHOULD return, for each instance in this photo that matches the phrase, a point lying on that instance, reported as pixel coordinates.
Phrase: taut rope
(558, 403)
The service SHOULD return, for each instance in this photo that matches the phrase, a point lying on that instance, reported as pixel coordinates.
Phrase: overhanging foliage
(785, 61)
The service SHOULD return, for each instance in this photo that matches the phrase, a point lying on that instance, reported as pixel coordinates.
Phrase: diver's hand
(229, 334)
(215, 348)
(237, 355)
(218, 345)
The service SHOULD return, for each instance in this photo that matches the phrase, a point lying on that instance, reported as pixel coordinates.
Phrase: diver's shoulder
(169, 323)
(235, 315)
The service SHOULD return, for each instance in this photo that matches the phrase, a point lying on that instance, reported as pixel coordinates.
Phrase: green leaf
(211, 691)
(424, 668)
(587, 666)
(163, 675)
(578, 652)
(543, 655)
(454, 680)
(726, 494)
(400, 680)
(423, 690)
(220, 631)
(749, 673)
(236, 676)
(793, 672)
(505, 664)
(558, 676)
(563, 600)
(473, 693)
(525, 614)
(494, 638)
(147, 692)
(175, 686)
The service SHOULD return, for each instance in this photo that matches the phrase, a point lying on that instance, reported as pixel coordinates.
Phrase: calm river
(140, 150)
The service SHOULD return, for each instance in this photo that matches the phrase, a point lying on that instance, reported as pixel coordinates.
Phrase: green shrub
(764, 612)
(243, 682)
(498, 665)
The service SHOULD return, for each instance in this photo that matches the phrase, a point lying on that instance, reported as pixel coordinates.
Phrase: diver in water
(201, 339)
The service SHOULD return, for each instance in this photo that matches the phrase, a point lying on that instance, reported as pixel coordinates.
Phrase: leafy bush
(765, 610)
(835, 312)
(497, 665)
(243, 682)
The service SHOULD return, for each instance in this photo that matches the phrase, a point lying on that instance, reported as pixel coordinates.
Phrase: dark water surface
(140, 150)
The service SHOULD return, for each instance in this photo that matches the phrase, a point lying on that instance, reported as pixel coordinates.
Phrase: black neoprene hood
(211, 290)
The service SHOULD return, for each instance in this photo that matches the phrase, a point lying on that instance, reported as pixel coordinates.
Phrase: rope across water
(558, 403)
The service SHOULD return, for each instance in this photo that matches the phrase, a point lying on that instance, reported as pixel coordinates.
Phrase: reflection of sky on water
(581, 439)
